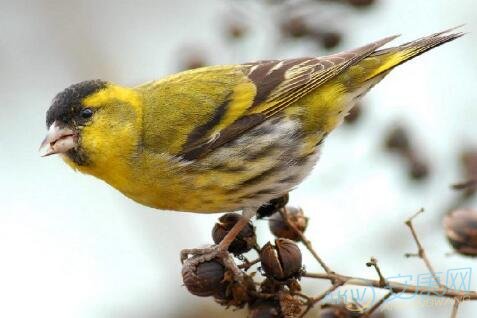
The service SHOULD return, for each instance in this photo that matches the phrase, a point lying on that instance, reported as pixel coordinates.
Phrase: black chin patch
(78, 156)
(67, 104)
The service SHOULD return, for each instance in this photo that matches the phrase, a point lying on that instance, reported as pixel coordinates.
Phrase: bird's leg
(200, 255)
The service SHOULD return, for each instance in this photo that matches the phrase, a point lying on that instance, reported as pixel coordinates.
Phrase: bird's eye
(86, 113)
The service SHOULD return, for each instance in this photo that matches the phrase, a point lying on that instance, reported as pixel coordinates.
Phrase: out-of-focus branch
(472, 183)
(455, 308)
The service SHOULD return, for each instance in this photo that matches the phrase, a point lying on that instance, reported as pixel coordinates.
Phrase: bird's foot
(195, 256)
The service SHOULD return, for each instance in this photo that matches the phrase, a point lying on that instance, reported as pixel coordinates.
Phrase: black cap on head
(67, 104)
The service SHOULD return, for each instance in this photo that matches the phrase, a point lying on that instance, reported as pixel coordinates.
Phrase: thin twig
(382, 282)
(304, 240)
(338, 280)
(421, 253)
(321, 296)
(371, 310)
(247, 264)
(395, 287)
(455, 308)
(313, 300)
(374, 262)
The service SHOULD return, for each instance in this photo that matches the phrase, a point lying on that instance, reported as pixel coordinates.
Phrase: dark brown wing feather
(279, 83)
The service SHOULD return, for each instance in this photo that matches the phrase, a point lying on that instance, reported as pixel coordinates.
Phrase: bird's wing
(277, 84)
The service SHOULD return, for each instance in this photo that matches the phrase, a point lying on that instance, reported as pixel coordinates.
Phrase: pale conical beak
(58, 140)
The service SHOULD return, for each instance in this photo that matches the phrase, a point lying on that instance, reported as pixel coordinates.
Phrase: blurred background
(71, 246)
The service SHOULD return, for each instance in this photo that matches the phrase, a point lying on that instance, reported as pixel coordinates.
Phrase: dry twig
(338, 280)
(305, 241)
(455, 308)
(374, 262)
(314, 300)
(421, 253)
(395, 287)
(378, 304)
(247, 264)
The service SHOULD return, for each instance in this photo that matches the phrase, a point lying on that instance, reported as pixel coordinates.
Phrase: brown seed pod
(272, 206)
(398, 140)
(191, 57)
(418, 170)
(354, 115)
(281, 261)
(330, 40)
(236, 30)
(461, 230)
(280, 228)
(244, 241)
(295, 27)
(206, 279)
(265, 309)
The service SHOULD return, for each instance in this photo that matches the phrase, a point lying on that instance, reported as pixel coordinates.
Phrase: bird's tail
(394, 56)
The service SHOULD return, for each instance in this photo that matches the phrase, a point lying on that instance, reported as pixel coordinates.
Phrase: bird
(218, 138)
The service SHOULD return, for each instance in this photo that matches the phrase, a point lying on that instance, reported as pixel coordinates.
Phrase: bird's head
(91, 123)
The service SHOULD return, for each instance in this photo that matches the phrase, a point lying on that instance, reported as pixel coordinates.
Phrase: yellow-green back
(195, 140)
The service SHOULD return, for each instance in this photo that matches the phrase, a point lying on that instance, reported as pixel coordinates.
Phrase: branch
(469, 184)
(338, 280)
(247, 264)
(304, 240)
(395, 287)
(455, 308)
(313, 300)
(374, 262)
(421, 253)
(377, 305)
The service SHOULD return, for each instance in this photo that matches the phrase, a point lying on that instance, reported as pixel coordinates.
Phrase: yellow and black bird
(220, 138)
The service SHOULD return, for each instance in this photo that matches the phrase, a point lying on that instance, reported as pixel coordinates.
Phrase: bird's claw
(200, 255)
(194, 256)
